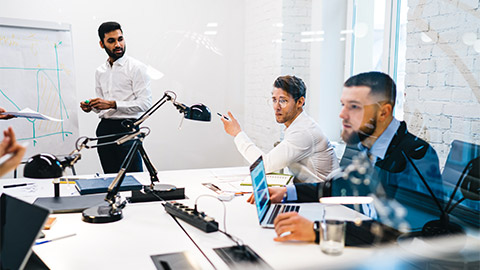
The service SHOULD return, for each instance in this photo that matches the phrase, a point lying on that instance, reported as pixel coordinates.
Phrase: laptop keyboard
(282, 208)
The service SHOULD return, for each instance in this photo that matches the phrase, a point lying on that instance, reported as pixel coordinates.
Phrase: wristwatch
(316, 229)
(285, 197)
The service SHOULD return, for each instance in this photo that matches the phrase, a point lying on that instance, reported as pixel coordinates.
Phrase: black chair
(351, 150)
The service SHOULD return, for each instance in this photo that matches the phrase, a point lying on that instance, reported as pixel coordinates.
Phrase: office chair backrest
(461, 153)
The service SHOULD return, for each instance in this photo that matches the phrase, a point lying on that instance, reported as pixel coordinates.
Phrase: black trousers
(112, 156)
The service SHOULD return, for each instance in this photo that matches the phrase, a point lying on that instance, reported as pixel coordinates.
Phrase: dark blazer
(394, 171)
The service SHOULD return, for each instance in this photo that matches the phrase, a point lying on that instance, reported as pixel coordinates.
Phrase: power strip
(189, 215)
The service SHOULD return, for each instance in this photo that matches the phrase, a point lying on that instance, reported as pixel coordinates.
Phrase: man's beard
(116, 56)
(364, 132)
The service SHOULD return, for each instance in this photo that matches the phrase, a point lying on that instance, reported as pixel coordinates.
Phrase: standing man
(123, 92)
(305, 150)
(367, 117)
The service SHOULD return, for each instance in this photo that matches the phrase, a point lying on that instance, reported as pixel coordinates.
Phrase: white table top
(146, 229)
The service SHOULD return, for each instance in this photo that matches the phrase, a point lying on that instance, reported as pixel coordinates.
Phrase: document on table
(29, 113)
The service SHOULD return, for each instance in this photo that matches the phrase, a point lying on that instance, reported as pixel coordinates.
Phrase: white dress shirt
(127, 83)
(305, 150)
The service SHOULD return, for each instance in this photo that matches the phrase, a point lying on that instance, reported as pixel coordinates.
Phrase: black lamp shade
(43, 166)
(198, 112)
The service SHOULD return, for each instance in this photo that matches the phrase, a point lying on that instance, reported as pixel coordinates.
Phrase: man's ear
(385, 111)
(301, 102)
(101, 44)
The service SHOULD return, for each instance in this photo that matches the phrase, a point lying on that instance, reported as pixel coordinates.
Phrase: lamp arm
(117, 182)
(166, 97)
(425, 183)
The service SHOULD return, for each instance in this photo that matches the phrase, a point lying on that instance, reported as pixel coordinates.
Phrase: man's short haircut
(292, 85)
(108, 27)
(380, 84)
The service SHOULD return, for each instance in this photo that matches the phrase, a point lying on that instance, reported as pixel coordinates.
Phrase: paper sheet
(29, 113)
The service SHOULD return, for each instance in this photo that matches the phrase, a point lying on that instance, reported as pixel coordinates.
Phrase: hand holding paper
(29, 113)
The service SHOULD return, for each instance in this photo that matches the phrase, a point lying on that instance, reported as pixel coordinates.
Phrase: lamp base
(101, 214)
(148, 194)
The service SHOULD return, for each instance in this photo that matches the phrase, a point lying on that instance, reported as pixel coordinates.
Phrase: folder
(273, 180)
(100, 185)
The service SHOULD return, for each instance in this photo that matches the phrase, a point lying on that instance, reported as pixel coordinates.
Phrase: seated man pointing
(305, 150)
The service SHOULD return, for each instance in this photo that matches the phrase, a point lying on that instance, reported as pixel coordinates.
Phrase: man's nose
(343, 113)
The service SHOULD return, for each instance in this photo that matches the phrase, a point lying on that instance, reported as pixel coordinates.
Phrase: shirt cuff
(241, 138)
(291, 193)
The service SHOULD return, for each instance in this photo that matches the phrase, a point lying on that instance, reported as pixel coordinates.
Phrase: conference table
(147, 229)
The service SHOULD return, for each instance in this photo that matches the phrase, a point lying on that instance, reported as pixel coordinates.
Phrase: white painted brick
(436, 94)
(449, 36)
(432, 107)
(426, 66)
(431, 9)
(417, 25)
(436, 79)
(444, 64)
(424, 51)
(459, 125)
(465, 64)
(447, 7)
(434, 135)
(462, 110)
(462, 94)
(416, 80)
(411, 67)
(448, 21)
(414, 3)
(457, 79)
(475, 126)
(468, 4)
(449, 137)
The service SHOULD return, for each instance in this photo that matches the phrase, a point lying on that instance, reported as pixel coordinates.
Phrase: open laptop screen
(20, 224)
(260, 187)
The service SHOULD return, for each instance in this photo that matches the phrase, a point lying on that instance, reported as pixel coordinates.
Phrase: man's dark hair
(108, 27)
(292, 85)
(379, 83)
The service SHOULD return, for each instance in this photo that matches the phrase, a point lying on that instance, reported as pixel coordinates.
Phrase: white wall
(167, 35)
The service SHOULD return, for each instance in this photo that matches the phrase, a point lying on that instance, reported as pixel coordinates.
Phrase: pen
(221, 115)
(17, 185)
(213, 185)
(242, 193)
(54, 239)
(66, 182)
(87, 101)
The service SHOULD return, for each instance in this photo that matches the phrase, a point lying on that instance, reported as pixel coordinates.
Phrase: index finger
(231, 115)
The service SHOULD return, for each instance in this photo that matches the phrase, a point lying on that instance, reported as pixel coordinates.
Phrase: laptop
(20, 225)
(267, 212)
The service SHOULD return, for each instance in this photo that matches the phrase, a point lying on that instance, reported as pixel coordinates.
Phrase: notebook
(267, 212)
(273, 179)
(100, 185)
(20, 225)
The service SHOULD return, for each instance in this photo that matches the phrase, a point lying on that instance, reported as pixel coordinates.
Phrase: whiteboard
(37, 71)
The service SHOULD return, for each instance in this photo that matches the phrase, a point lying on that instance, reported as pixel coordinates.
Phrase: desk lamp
(113, 211)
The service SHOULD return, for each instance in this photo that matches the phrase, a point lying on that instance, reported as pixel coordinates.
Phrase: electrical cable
(183, 229)
(235, 239)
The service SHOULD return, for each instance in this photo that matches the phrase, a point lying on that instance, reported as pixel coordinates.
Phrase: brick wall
(272, 48)
(442, 91)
